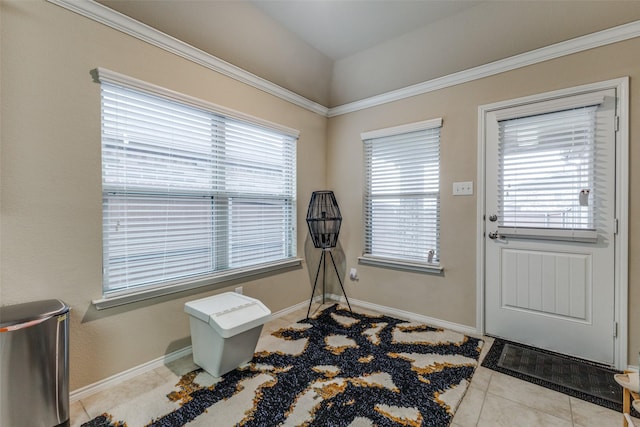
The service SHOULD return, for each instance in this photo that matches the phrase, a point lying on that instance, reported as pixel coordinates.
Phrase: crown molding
(579, 44)
(127, 25)
(118, 21)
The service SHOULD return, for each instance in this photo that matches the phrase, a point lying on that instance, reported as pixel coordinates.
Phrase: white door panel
(546, 283)
(552, 286)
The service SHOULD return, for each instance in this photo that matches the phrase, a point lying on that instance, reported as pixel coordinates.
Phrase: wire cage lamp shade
(324, 219)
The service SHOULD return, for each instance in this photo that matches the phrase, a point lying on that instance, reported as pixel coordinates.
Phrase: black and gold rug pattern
(338, 368)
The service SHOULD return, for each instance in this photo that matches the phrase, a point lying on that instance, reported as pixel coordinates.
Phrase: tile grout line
(543, 411)
(484, 398)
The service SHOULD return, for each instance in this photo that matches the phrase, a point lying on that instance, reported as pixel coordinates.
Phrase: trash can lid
(11, 315)
(229, 313)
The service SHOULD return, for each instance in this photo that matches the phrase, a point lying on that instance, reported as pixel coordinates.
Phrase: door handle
(494, 235)
(493, 218)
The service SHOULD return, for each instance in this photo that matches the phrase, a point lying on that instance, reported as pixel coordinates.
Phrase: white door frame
(621, 245)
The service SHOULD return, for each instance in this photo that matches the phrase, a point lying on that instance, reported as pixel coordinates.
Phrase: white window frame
(112, 298)
(367, 258)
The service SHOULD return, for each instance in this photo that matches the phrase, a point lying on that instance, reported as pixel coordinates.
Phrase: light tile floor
(492, 400)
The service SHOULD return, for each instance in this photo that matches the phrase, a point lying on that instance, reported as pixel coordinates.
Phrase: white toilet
(224, 330)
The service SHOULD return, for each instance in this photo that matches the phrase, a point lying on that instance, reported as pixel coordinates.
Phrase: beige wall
(453, 296)
(50, 225)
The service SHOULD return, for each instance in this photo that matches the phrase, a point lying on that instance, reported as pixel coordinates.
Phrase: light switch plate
(463, 188)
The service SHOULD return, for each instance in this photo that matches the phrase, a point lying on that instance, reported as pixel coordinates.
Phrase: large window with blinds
(190, 193)
(402, 195)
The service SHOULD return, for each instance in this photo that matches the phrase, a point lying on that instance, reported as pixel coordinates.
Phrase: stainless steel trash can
(34, 362)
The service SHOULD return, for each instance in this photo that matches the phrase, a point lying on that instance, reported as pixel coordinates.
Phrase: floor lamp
(324, 220)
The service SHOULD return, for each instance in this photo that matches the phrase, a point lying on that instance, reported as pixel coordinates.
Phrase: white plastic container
(224, 330)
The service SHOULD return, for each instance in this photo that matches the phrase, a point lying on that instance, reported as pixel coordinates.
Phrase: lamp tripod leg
(315, 282)
(340, 281)
(324, 274)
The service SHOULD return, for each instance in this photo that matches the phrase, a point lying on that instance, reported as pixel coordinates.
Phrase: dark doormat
(572, 376)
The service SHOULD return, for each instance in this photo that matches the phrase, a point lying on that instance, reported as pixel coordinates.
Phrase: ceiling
(340, 28)
(334, 52)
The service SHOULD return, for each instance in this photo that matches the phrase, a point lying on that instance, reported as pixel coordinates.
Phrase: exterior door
(550, 224)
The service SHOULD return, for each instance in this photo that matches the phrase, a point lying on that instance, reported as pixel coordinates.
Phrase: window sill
(436, 269)
(222, 279)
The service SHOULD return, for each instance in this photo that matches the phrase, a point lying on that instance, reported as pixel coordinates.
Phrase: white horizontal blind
(548, 170)
(401, 197)
(189, 193)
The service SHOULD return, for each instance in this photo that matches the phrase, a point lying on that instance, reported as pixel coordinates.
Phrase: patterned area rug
(335, 369)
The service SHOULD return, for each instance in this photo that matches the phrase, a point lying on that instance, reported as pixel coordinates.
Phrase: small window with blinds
(189, 193)
(402, 195)
(547, 174)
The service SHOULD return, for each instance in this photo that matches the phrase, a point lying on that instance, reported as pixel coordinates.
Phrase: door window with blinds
(548, 169)
(402, 195)
(190, 193)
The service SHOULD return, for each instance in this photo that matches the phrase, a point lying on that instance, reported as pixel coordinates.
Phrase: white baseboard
(432, 321)
(291, 309)
(116, 379)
